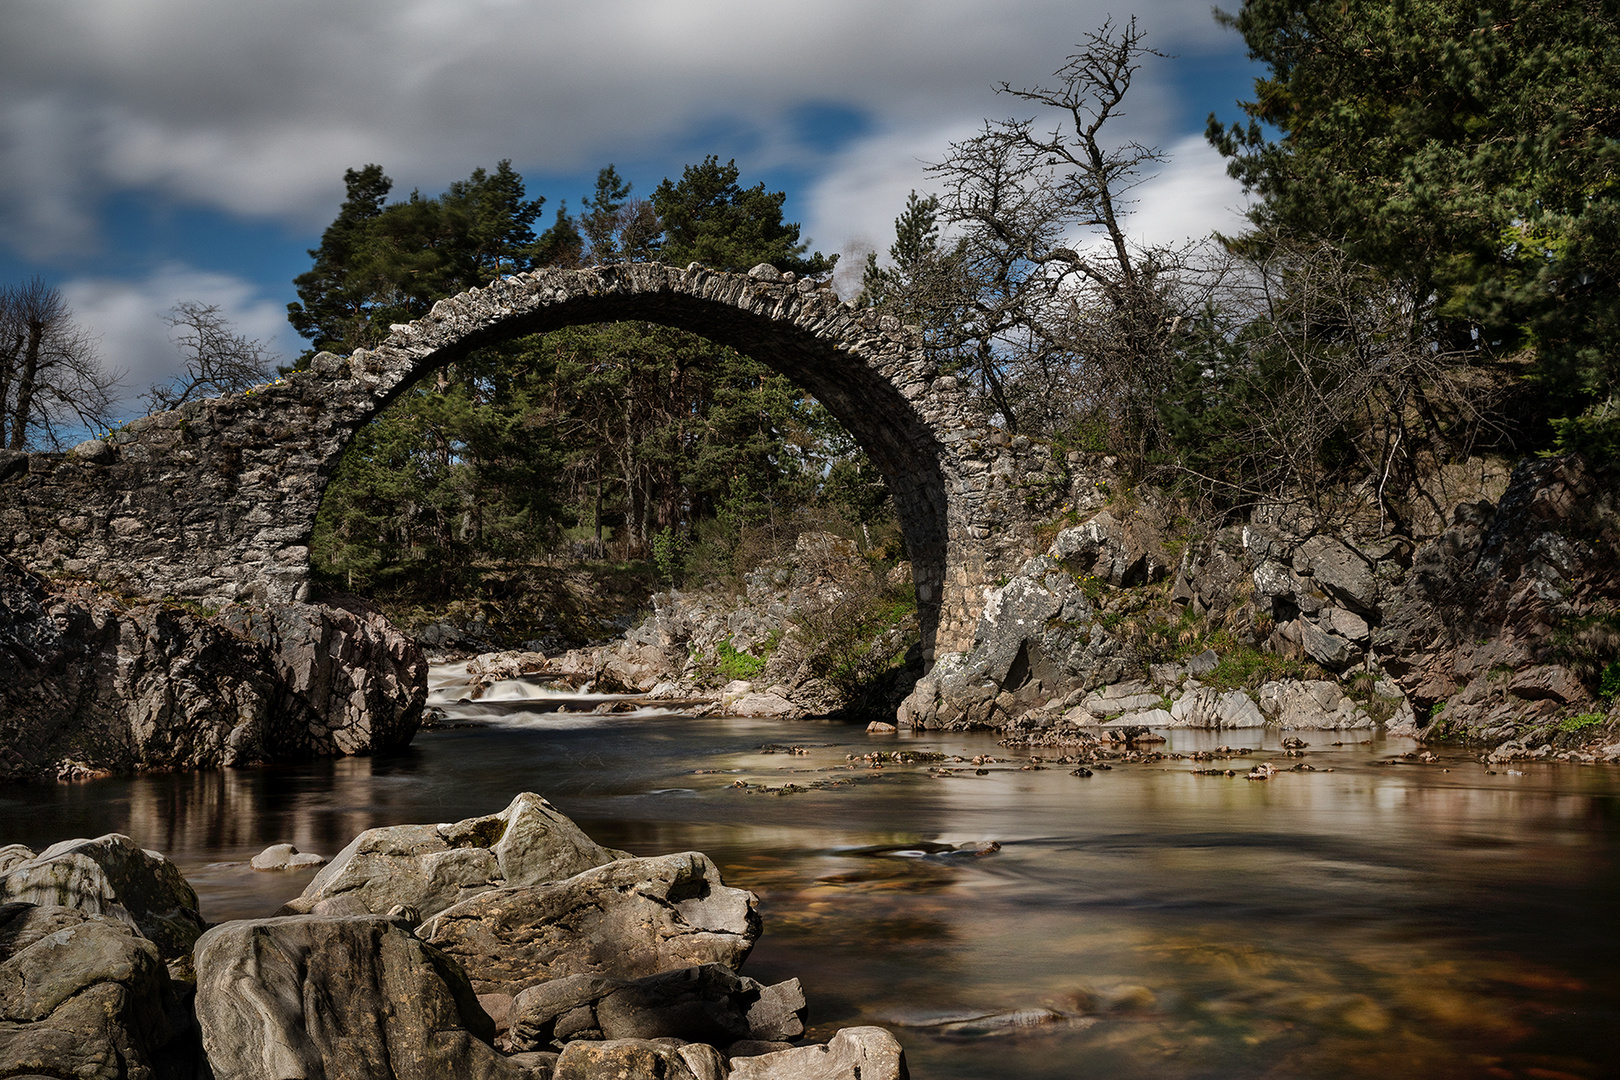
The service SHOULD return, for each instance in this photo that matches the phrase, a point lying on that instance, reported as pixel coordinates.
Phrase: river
(1375, 918)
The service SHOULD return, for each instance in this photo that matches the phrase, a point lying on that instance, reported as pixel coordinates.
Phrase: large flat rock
(627, 919)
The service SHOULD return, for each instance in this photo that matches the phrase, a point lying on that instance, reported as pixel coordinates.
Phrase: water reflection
(1366, 919)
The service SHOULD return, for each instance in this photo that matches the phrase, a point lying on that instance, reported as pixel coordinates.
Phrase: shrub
(734, 665)
(853, 639)
(1581, 722)
(1609, 684)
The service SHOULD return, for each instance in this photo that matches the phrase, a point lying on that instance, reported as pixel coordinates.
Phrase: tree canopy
(709, 218)
(381, 263)
(1471, 151)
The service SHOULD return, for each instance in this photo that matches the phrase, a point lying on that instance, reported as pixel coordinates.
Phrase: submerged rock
(285, 857)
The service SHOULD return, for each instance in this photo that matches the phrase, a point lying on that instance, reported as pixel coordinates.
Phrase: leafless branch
(52, 382)
(218, 359)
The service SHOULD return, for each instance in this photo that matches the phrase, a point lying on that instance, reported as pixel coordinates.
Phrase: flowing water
(1367, 919)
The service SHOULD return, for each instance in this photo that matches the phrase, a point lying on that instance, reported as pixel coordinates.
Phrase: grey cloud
(257, 108)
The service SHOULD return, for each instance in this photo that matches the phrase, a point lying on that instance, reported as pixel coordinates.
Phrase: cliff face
(94, 684)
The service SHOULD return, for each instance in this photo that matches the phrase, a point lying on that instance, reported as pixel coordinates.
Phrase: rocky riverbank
(97, 683)
(1499, 628)
(1502, 629)
(506, 946)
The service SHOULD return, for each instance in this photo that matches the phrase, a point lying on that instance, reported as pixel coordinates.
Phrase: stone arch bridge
(216, 501)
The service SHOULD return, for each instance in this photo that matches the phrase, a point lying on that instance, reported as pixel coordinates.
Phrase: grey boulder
(112, 876)
(338, 998)
(80, 995)
(626, 920)
(708, 1004)
(859, 1053)
(431, 867)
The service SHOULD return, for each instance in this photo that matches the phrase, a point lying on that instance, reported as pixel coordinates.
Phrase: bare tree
(51, 378)
(218, 359)
(1333, 385)
(1053, 329)
(1250, 370)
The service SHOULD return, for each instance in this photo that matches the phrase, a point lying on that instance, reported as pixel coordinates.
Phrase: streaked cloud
(256, 109)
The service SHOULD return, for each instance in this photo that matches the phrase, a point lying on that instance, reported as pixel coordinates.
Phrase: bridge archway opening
(855, 397)
(860, 395)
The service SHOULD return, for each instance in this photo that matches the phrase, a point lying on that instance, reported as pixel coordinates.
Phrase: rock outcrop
(1509, 618)
(96, 683)
(676, 652)
(627, 919)
(1037, 638)
(626, 968)
(1503, 627)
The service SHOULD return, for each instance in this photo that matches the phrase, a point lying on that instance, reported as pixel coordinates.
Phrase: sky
(155, 151)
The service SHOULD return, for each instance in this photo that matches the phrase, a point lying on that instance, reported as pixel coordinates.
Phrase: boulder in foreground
(431, 867)
(626, 920)
(341, 998)
(859, 1053)
(112, 876)
(81, 995)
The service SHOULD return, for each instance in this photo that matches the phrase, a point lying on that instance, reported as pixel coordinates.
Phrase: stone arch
(216, 501)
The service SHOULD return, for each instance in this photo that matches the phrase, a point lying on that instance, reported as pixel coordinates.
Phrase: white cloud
(1190, 197)
(258, 108)
(135, 339)
(853, 205)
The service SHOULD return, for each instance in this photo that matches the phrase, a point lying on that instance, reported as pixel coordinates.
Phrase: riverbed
(1376, 917)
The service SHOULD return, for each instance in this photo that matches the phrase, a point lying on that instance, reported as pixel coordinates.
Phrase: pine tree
(1472, 152)
(709, 218)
